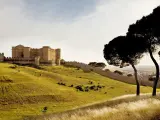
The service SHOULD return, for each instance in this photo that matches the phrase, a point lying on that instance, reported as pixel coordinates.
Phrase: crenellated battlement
(34, 49)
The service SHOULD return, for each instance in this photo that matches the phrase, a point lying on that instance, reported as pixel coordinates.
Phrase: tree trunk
(157, 72)
(136, 78)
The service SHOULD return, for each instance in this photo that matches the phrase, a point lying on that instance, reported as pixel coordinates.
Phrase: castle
(44, 55)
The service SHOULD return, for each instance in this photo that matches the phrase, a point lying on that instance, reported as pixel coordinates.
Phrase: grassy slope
(32, 89)
(144, 107)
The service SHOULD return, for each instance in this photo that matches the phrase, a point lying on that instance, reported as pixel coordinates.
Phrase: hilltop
(26, 90)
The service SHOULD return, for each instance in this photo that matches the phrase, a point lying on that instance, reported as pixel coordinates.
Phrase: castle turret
(1, 57)
(46, 51)
(26, 52)
(58, 56)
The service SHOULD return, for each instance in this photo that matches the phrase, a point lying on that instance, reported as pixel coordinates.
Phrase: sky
(80, 28)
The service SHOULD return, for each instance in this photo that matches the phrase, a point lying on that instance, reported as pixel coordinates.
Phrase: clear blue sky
(79, 27)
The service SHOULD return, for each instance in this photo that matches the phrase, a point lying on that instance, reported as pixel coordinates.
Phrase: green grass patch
(24, 91)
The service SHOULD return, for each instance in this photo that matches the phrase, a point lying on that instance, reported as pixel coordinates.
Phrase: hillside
(127, 107)
(25, 90)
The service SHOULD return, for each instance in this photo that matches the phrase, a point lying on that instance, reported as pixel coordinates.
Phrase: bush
(90, 82)
(62, 61)
(92, 87)
(107, 70)
(129, 75)
(14, 67)
(71, 86)
(151, 78)
(100, 64)
(95, 64)
(78, 68)
(118, 72)
(91, 69)
(86, 89)
(64, 84)
(79, 87)
(92, 64)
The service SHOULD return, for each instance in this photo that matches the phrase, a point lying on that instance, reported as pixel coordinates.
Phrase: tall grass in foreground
(129, 107)
(140, 110)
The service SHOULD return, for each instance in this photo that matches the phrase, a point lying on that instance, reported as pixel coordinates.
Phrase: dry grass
(124, 108)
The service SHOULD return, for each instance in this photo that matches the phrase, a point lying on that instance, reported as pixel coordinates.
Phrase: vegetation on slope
(26, 91)
(125, 108)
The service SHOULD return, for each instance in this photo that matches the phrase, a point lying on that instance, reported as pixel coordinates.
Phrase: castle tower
(58, 56)
(46, 51)
(13, 52)
(1, 57)
(26, 52)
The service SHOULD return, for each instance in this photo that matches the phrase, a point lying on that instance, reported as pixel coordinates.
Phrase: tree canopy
(142, 37)
(97, 64)
(122, 50)
(148, 28)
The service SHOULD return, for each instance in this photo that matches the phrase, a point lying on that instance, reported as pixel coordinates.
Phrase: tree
(92, 63)
(100, 64)
(122, 51)
(97, 64)
(148, 28)
(62, 61)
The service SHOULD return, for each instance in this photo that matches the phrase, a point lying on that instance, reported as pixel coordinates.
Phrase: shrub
(92, 87)
(92, 64)
(112, 87)
(129, 75)
(78, 68)
(100, 64)
(118, 72)
(107, 70)
(91, 69)
(151, 78)
(79, 87)
(90, 82)
(64, 84)
(71, 86)
(86, 89)
(14, 67)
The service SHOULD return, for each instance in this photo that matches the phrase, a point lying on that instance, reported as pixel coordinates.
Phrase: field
(25, 91)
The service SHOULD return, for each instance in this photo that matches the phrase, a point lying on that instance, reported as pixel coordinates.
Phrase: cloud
(60, 10)
(79, 27)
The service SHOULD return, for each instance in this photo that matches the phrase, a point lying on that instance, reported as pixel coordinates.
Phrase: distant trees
(92, 63)
(62, 61)
(121, 52)
(97, 64)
